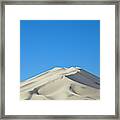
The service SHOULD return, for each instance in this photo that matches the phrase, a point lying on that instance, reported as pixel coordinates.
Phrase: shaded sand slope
(60, 84)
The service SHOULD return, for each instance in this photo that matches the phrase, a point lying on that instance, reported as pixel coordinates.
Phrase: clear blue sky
(45, 44)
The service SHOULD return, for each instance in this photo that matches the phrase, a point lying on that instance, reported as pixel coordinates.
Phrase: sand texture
(61, 84)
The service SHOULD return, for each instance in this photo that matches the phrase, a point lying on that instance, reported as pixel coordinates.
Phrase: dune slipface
(61, 84)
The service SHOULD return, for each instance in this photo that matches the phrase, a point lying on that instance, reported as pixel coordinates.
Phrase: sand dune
(61, 84)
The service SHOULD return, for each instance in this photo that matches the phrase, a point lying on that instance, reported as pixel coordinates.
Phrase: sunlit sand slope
(61, 84)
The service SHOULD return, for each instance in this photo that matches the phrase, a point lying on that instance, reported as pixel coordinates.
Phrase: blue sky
(45, 44)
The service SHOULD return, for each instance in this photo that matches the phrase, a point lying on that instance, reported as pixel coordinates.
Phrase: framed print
(59, 59)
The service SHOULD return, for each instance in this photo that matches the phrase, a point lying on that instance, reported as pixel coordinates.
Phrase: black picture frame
(2, 56)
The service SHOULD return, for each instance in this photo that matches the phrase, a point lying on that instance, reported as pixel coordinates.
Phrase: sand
(61, 84)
